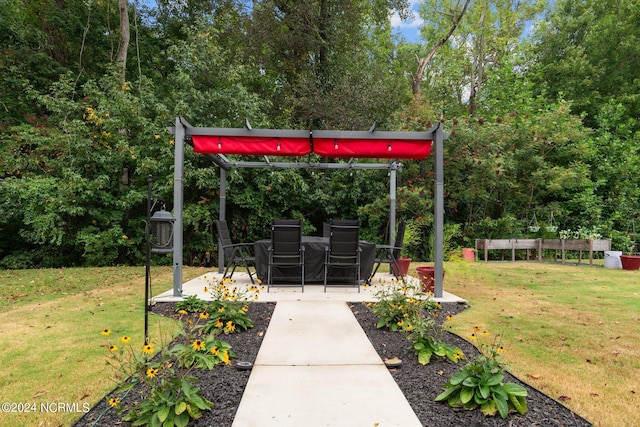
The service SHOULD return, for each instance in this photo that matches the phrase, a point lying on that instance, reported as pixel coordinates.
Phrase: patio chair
(234, 253)
(286, 251)
(388, 254)
(343, 251)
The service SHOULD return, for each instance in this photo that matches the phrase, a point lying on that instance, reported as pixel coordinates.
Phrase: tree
(123, 44)
(444, 17)
(588, 52)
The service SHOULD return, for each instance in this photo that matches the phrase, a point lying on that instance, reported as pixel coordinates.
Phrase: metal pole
(438, 143)
(178, 200)
(392, 204)
(147, 286)
(222, 215)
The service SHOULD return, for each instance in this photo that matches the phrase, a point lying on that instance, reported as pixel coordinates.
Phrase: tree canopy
(542, 103)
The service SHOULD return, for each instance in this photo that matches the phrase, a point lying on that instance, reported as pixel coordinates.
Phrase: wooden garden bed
(539, 245)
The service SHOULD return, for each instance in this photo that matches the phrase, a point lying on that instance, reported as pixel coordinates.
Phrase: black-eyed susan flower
(214, 350)
(147, 349)
(106, 332)
(225, 357)
(113, 348)
(114, 401)
(204, 315)
(198, 345)
(182, 311)
(230, 327)
(152, 372)
(219, 323)
(125, 339)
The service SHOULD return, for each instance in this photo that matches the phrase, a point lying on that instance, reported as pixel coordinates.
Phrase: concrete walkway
(316, 366)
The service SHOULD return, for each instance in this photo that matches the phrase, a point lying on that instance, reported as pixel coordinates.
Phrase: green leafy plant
(402, 307)
(228, 309)
(192, 304)
(168, 395)
(480, 383)
(400, 304)
(425, 341)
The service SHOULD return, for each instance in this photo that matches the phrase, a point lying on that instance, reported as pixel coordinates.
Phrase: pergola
(217, 143)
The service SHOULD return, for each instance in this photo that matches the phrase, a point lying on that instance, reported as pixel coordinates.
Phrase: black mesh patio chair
(343, 251)
(234, 253)
(286, 251)
(388, 254)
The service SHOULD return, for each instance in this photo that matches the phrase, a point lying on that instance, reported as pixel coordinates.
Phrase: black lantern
(161, 232)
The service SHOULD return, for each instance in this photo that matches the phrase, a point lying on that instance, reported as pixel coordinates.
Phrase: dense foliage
(543, 117)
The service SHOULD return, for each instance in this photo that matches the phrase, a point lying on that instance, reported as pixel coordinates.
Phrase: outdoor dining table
(314, 249)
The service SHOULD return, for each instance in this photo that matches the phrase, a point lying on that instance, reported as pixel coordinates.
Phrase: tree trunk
(123, 46)
(423, 62)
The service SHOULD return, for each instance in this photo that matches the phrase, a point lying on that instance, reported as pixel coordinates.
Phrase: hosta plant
(480, 384)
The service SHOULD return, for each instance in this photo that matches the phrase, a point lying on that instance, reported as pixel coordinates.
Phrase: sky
(410, 30)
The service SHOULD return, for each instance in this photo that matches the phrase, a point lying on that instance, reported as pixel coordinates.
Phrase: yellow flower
(214, 350)
(400, 323)
(113, 348)
(458, 354)
(206, 290)
(125, 339)
(114, 401)
(409, 328)
(245, 308)
(500, 350)
(219, 323)
(106, 332)
(151, 372)
(204, 315)
(474, 336)
(477, 328)
(225, 357)
(182, 311)
(221, 310)
(230, 327)
(198, 345)
(449, 317)
(147, 349)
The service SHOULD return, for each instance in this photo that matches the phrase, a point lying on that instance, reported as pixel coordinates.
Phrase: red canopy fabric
(251, 145)
(372, 148)
(339, 147)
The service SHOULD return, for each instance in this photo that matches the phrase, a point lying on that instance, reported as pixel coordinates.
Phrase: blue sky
(409, 29)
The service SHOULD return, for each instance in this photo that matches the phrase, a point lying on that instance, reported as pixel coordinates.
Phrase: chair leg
(269, 278)
(246, 265)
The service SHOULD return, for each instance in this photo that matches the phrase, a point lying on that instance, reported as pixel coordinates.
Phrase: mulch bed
(420, 383)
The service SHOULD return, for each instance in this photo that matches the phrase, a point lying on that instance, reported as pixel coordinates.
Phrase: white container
(612, 259)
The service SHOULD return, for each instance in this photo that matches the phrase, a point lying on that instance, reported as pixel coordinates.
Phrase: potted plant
(630, 261)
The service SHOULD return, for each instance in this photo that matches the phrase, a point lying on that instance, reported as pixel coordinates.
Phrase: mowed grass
(52, 350)
(572, 332)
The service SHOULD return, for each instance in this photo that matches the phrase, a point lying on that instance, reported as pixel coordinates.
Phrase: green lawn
(570, 331)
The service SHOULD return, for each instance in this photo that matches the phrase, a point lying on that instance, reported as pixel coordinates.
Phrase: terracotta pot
(468, 254)
(427, 277)
(403, 264)
(630, 262)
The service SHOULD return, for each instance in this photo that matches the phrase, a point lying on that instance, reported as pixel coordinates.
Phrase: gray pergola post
(178, 201)
(222, 214)
(392, 203)
(438, 155)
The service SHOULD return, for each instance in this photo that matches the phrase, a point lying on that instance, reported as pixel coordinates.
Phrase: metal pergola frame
(183, 132)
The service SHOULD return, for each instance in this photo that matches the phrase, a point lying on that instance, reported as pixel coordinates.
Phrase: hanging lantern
(161, 232)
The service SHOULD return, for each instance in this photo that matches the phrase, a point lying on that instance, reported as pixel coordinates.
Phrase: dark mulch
(420, 384)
